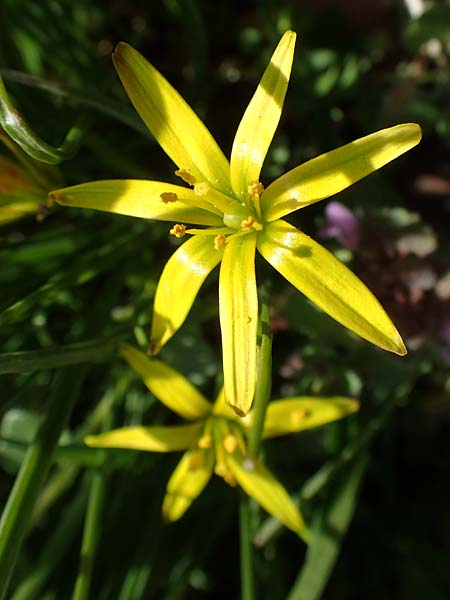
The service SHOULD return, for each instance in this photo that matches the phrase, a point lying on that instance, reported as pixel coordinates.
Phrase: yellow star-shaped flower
(214, 440)
(238, 215)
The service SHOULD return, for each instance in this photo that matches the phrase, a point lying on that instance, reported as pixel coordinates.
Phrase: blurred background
(375, 487)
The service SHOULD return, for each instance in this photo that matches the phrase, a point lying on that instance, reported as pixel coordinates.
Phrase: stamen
(167, 197)
(215, 198)
(247, 223)
(230, 443)
(255, 188)
(205, 441)
(178, 230)
(220, 241)
(186, 176)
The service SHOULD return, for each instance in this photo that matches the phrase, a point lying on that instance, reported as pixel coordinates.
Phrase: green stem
(263, 381)
(260, 402)
(91, 536)
(246, 550)
(19, 507)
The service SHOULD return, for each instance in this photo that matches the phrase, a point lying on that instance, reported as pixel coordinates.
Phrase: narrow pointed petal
(171, 388)
(328, 283)
(295, 414)
(187, 482)
(222, 409)
(150, 439)
(174, 124)
(238, 307)
(180, 281)
(138, 198)
(257, 481)
(334, 171)
(261, 118)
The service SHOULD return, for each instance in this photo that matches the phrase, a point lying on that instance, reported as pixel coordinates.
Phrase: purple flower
(341, 223)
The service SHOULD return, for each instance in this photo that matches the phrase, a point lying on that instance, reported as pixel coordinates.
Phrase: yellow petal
(16, 210)
(138, 198)
(328, 283)
(171, 388)
(181, 279)
(257, 481)
(238, 307)
(150, 439)
(295, 414)
(187, 482)
(175, 126)
(260, 120)
(222, 409)
(334, 171)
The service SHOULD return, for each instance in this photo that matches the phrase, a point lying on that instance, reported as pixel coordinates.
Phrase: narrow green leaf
(325, 545)
(19, 130)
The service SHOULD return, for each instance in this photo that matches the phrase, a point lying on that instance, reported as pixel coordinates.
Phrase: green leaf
(19, 130)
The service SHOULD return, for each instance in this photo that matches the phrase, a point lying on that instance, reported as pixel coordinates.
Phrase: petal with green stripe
(296, 414)
(238, 308)
(261, 118)
(149, 439)
(187, 482)
(334, 171)
(139, 198)
(257, 481)
(171, 388)
(178, 286)
(328, 283)
(174, 124)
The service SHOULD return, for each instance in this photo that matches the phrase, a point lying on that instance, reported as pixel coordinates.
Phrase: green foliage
(373, 487)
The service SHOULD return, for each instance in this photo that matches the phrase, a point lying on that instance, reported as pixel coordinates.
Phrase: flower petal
(334, 171)
(187, 482)
(174, 124)
(295, 414)
(222, 409)
(257, 481)
(260, 120)
(171, 388)
(328, 283)
(238, 307)
(180, 281)
(150, 439)
(138, 198)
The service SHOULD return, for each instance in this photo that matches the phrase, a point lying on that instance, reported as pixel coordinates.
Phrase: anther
(205, 441)
(167, 197)
(186, 176)
(220, 241)
(178, 230)
(247, 223)
(255, 188)
(230, 443)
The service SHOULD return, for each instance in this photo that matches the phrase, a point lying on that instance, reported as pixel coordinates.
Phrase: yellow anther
(186, 176)
(202, 188)
(220, 241)
(228, 477)
(247, 223)
(196, 460)
(178, 230)
(230, 443)
(167, 197)
(220, 469)
(255, 189)
(223, 471)
(205, 441)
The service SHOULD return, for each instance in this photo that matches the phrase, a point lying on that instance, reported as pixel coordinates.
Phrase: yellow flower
(24, 183)
(238, 215)
(214, 439)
